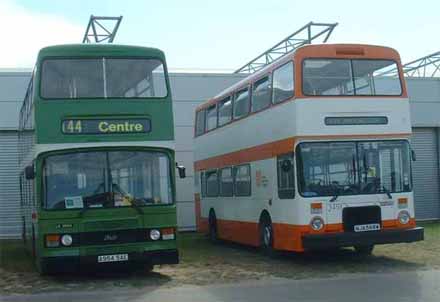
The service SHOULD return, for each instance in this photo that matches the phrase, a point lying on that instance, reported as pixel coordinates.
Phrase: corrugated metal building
(189, 90)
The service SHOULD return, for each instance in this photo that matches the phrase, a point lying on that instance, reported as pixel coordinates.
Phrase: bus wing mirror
(29, 172)
(182, 171)
(413, 155)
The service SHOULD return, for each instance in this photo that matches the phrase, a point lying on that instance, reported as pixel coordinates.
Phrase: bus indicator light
(167, 234)
(316, 208)
(53, 240)
(403, 203)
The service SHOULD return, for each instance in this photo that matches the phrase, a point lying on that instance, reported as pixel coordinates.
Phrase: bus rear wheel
(364, 250)
(23, 232)
(213, 235)
(266, 237)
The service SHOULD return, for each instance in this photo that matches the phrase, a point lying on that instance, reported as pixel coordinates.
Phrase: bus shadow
(344, 260)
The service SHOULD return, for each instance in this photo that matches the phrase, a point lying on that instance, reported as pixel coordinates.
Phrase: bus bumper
(73, 263)
(327, 241)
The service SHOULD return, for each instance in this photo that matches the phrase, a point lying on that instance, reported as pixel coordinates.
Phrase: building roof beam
(98, 32)
(311, 30)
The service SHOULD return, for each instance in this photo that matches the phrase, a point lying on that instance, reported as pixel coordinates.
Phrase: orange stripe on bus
(287, 237)
(274, 149)
(259, 152)
(239, 231)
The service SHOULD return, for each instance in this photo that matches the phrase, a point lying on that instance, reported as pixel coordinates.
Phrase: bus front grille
(352, 216)
(114, 237)
(97, 225)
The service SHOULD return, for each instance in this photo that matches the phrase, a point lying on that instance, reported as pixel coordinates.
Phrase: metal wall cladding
(10, 218)
(13, 85)
(426, 173)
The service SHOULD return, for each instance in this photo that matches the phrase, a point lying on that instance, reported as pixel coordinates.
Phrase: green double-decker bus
(96, 146)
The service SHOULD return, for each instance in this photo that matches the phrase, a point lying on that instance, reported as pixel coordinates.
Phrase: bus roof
(309, 51)
(98, 49)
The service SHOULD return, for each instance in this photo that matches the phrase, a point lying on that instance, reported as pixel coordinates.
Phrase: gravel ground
(203, 263)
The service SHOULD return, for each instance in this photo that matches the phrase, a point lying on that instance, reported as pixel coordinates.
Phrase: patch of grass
(14, 258)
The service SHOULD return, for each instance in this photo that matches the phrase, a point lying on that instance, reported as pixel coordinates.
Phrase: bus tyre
(213, 235)
(23, 232)
(266, 236)
(43, 268)
(364, 250)
(34, 245)
(149, 268)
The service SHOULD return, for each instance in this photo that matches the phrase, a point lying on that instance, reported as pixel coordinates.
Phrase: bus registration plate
(113, 258)
(367, 227)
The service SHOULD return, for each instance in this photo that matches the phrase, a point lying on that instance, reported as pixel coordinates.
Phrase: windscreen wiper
(386, 191)
(83, 210)
(135, 205)
(333, 199)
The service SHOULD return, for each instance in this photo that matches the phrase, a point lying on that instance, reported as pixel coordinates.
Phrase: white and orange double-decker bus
(310, 152)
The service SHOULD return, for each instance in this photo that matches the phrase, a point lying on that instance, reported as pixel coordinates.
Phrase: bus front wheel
(364, 250)
(213, 235)
(266, 236)
(43, 268)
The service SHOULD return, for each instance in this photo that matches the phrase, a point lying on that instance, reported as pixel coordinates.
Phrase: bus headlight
(154, 235)
(404, 217)
(66, 240)
(317, 223)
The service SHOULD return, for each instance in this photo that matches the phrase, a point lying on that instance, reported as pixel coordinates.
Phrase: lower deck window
(226, 182)
(211, 183)
(242, 180)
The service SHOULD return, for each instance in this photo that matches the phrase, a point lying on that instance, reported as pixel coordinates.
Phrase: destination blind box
(105, 126)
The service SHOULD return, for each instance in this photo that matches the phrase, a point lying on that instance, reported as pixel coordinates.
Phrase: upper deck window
(283, 83)
(241, 103)
(200, 122)
(261, 94)
(368, 79)
(211, 117)
(102, 78)
(336, 77)
(224, 111)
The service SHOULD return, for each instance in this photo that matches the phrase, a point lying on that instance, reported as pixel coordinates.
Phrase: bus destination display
(356, 120)
(105, 126)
